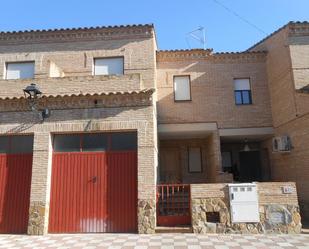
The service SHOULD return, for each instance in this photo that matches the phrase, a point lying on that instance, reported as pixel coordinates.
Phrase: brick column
(147, 162)
(214, 157)
(40, 184)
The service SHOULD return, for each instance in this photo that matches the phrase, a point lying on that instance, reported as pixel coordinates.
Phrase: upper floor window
(19, 70)
(242, 92)
(108, 66)
(182, 89)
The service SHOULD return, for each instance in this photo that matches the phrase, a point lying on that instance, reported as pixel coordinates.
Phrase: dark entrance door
(250, 166)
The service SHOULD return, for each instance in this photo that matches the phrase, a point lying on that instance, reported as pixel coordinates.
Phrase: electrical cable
(240, 17)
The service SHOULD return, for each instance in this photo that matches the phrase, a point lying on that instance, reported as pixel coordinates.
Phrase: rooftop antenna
(198, 35)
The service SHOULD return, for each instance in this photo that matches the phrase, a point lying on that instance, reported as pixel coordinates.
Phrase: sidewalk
(166, 241)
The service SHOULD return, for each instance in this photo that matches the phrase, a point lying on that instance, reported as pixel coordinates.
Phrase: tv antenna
(198, 35)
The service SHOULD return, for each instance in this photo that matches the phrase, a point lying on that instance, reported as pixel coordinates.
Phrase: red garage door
(15, 182)
(94, 183)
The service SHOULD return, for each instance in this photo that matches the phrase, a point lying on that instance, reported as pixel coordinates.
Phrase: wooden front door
(170, 170)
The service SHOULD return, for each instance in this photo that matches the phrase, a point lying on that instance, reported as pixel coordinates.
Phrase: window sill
(243, 104)
(182, 101)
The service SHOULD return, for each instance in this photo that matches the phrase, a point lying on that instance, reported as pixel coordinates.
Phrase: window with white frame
(19, 70)
(195, 160)
(182, 89)
(242, 91)
(108, 66)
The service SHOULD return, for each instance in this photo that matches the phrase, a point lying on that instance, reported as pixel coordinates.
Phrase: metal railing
(173, 204)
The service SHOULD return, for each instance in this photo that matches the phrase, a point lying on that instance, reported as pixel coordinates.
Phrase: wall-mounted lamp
(246, 147)
(32, 92)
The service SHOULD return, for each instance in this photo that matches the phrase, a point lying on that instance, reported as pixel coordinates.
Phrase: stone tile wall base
(146, 216)
(289, 222)
(36, 218)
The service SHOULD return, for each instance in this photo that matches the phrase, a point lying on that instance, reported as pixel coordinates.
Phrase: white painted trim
(188, 127)
(246, 131)
(186, 131)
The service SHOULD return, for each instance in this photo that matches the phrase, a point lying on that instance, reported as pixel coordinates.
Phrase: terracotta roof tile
(206, 53)
(145, 91)
(185, 50)
(79, 28)
(291, 23)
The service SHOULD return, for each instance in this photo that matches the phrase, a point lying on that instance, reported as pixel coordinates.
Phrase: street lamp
(32, 92)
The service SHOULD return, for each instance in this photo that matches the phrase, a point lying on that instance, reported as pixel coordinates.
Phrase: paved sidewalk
(166, 241)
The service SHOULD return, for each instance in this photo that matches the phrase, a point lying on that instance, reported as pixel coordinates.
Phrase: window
(108, 66)
(86, 142)
(16, 144)
(4, 144)
(94, 142)
(21, 144)
(242, 92)
(226, 161)
(195, 160)
(19, 70)
(67, 143)
(124, 141)
(182, 89)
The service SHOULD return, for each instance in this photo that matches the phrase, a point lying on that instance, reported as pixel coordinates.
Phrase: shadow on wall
(206, 95)
(26, 120)
(212, 93)
(22, 127)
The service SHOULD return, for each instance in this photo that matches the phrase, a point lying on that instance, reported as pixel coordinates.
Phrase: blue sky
(173, 19)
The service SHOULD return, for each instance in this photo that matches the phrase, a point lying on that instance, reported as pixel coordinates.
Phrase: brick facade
(80, 102)
(290, 108)
(143, 99)
(212, 88)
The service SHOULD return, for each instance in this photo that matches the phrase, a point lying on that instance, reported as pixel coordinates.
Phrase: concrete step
(179, 229)
(305, 228)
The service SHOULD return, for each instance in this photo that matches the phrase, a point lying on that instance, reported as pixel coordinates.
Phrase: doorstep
(178, 229)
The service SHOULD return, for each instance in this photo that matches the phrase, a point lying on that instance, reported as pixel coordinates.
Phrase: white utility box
(244, 202)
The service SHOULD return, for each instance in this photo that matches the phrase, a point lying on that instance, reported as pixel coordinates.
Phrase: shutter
(241, 84)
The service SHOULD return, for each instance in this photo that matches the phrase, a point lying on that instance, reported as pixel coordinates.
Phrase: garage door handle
(94, 179)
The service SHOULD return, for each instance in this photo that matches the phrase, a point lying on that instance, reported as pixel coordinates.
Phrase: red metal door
(122, 191)
(15, 184)
(93, 192)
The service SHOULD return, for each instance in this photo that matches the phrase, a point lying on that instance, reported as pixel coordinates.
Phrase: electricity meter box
(244, 202)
